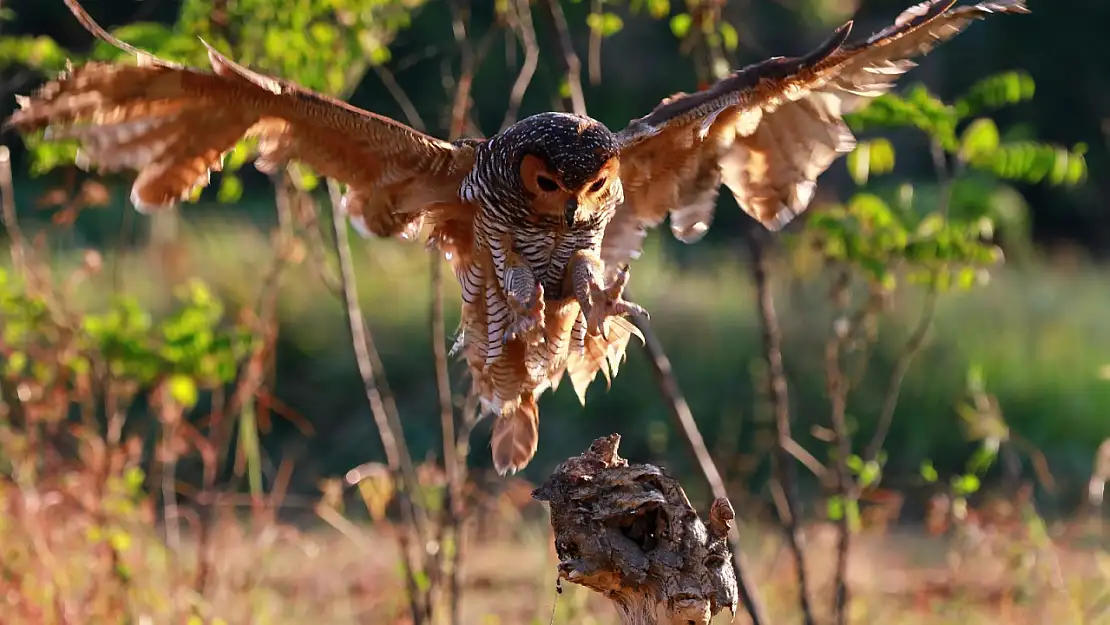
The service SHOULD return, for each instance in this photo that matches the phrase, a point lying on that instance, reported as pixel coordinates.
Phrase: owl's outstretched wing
(767, 131)
(173, 125)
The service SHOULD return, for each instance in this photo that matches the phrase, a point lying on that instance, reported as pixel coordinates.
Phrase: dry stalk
(571, 64)
(11, 221)
(520, 19)
(384, 409)
(782, 460)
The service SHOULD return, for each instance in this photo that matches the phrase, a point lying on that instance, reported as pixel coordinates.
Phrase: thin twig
(680, 411)
(402, 98)
(572, 65)
(11, 222)
(781, 460)
(837, 386)
(594, 52)
(522, 22)
(382, 404)
(452, 463)
(925, 322)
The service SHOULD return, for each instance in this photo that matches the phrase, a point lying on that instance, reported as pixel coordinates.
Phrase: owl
(540, 221)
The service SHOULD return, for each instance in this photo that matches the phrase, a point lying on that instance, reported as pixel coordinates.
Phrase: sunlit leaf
(875, 156)
(928, 472)
(680, 25)
(979, 139)
(183, 389)
(965, 484)
(996, 91)
(605, 24)
(231, 189)
(729, 37)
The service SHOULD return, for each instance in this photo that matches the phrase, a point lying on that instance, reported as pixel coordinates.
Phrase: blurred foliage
(924, 237)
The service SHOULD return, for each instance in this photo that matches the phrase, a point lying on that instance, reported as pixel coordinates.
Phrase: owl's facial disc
(571, 203)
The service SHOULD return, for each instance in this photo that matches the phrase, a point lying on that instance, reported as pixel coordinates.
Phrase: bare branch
(11, 221)
(570, 59)
(781, 460)
(594, 54)
(382, 404)
(402, 98)
(684, 418)
(837, 387)
(925, 322)
(522, 23)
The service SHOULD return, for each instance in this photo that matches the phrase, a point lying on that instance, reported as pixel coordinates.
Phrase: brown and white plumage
(540, 220)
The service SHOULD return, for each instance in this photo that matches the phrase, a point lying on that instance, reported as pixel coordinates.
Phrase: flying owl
(538, 222)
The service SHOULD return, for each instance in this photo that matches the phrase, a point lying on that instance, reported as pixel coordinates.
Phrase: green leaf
(183, 389)
(855, 463)
(231, 189)
(965, 484)
(834, 508)
(979, 140)
(870, 473)
(120, 541)
(680, 25)
(928, 472)
(41, 53)
(17, 361)
(133, 478)
(729, 37)
(604, 24)
(996, 91)
(875, 156)
(659, 8)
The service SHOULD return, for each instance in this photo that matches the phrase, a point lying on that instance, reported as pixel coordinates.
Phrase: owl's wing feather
(173, 124)
(768, 130)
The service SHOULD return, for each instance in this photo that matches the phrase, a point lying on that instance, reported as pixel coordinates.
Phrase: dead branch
(520, 19)
(572, 65)
(382, 403)
(837, 387)
(782, 462)
(684, 418)
(594, 53)
(946, 176)
(7, 204)
(630, 533)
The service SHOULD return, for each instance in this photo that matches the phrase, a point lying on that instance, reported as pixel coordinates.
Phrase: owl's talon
(605, 303)
(528, 316)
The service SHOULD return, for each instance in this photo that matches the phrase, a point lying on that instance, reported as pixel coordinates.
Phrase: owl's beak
(571, 210)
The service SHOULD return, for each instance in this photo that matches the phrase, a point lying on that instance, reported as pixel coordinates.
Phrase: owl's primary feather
(540, 220)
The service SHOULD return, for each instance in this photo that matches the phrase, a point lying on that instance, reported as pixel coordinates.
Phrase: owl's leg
(599, 302)
(525, 297)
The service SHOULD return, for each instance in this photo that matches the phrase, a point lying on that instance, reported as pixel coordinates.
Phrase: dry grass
(65, 563)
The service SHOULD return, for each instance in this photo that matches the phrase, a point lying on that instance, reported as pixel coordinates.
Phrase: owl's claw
(603, 303)
(528, 315)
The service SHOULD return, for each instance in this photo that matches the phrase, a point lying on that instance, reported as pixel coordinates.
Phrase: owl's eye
(547, 184)
(595, 187)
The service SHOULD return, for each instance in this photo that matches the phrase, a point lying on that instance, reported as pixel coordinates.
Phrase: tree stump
(630, 533)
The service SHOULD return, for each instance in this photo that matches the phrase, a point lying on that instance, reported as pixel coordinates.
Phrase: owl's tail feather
(600, 354)
(516, 435)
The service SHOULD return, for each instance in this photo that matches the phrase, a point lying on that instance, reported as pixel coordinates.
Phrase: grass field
(277, 575)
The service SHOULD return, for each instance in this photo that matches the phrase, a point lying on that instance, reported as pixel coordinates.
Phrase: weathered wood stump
(630, 533)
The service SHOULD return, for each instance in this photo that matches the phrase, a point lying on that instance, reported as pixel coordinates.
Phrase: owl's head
(568, 163)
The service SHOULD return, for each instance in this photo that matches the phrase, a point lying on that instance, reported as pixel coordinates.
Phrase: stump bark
(630, 533)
